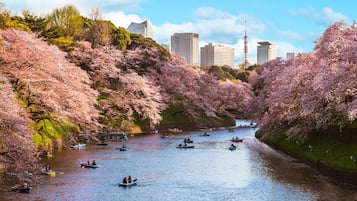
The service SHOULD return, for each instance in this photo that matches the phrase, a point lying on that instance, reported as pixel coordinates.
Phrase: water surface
(253, 172)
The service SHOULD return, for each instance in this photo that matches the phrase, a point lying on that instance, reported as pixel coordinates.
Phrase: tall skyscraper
(219, 55)
(143, 28)
(186, 45)
(266, 51)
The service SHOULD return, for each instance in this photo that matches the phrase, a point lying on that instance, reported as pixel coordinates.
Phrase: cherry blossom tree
(311, 91)
(16, 148)
(46, 79)
(124, 93)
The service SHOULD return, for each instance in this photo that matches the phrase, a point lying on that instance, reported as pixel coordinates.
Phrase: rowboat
(205, 134)
(21, 188)
(236, 140)
(185, 147)
(79, 146)
(123, 149)
(85, 165)
(50, 173)
(133, 183)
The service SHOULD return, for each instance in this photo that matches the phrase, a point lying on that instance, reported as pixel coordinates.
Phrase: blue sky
(293, 25)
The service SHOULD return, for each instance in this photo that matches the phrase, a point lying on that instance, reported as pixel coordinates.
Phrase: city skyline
(293, 26)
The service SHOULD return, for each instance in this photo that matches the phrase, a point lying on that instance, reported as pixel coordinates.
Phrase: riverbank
(333, 152)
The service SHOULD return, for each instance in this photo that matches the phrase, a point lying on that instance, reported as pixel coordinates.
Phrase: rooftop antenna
(245, 46)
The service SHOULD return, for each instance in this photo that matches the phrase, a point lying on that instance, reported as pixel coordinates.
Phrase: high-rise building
(143, 28)
(186, 45)
(266, 51)
(218, 55)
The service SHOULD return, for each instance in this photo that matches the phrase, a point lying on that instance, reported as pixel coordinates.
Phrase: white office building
(266, 51)
(143, 28)
(186, 45)
(217, 54)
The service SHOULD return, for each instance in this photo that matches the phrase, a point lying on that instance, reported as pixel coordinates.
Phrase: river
(209, 171)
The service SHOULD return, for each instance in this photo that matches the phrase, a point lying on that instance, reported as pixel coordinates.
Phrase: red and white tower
(245, 45)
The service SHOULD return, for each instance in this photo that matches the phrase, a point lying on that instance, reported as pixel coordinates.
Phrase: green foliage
(102, 96)
(46, 131)
(174, 115)
(120, 37)
(243, 76)
(66, 20)
(217, 71)
(18, 24)
(36, 24)
(316, 149)
(138, 41)
(227, 72)
(64, 43)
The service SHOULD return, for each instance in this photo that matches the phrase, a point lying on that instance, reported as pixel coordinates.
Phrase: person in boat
(94, 163)
(125, 181)
(237, 138)
(129, 179)
(88, 163)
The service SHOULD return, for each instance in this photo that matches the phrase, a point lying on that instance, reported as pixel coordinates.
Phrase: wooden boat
(134, 182)
(205, 134)
(50, 173)
(86, 165)
(21, 188)
(185, 147)
(123, 149)
(236, 140)
(79, 146)
(164, 136)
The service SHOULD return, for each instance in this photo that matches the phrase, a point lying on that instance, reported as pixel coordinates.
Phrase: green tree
(4, 16)
(120, 37)
(67, 20)
(96, 30)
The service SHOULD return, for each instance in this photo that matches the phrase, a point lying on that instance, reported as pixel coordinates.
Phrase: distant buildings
(266, 51)
(290, 55)
(186, 45)
(218, 55)
(144, 28)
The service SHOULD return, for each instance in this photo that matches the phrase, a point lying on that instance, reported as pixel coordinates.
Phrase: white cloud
(326, 16)
(330, 16)
(44, 7)
(121, 19)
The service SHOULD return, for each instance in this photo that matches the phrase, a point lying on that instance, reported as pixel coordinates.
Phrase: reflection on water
(208, 172)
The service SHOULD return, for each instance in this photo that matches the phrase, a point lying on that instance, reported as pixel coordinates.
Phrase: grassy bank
(331, 151)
